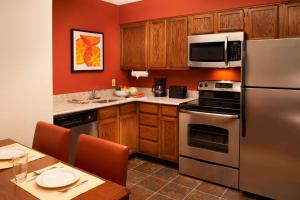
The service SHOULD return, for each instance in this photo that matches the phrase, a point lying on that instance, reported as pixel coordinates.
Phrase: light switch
(113, 82)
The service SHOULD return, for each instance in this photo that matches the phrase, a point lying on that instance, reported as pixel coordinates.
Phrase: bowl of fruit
(121, 91)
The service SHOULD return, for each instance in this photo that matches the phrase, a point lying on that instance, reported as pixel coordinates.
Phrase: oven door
(209, 137)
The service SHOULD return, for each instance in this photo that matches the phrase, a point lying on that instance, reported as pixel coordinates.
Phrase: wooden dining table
(10, 191)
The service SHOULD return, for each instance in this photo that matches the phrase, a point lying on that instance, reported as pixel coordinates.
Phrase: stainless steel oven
(209, 133)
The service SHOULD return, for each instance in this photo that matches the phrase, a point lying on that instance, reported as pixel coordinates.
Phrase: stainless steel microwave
(221, 50)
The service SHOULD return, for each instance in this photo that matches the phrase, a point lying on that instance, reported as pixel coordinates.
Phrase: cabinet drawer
(148, 108)
(149, 133)
(147, 119)
(108, 112)
(148, 147)
(127, 108)
(169, 111)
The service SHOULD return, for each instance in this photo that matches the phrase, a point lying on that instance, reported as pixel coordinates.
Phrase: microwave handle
(225, 50)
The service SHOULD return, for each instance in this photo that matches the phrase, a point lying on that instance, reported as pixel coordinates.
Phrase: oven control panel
(230, 86)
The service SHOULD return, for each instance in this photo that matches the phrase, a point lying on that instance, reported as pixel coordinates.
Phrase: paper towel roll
(138, 74)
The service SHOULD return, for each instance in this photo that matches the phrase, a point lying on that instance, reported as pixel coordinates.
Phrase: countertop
(64, 107)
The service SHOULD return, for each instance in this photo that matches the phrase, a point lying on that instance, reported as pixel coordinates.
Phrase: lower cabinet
(158, 131)
(119, 124)
(169, 138)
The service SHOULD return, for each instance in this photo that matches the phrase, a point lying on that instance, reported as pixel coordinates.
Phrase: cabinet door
(109, 129)
(177, 43)
(262, 22)
(157, 44)
(128, 131)
(290, 20)
(201, 24)
(169, 139)
(134, 39)
(229, 21)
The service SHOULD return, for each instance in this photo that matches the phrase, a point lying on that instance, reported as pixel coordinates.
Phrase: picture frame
(87, 51)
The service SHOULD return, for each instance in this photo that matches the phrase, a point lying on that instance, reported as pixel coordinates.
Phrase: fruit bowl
(121, 93)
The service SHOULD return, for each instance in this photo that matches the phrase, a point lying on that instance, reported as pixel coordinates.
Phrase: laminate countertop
(65, 106)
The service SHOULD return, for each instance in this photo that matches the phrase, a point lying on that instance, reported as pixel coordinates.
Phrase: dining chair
(103, 158)
(52, 140)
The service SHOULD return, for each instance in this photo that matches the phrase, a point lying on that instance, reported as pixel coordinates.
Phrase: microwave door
(208, 50)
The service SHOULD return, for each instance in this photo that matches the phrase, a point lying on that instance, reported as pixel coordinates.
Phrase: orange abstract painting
(87, 50)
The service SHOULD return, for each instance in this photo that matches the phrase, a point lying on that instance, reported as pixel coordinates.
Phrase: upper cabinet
(157, 44)
(201, 24)
(262, 22)
(177, 43)
(134, 39)
(229, 21)
(290, 20)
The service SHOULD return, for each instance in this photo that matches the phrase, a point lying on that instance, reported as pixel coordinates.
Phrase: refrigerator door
(273, 63)
(270, 147)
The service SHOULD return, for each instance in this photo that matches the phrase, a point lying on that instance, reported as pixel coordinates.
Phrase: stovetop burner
(214, 99)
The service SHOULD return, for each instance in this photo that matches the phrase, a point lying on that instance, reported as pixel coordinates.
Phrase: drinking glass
(20, 165)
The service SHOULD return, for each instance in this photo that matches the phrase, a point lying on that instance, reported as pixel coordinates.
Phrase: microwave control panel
(234, 50)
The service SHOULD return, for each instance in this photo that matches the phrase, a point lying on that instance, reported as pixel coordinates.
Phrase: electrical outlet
(113, 82)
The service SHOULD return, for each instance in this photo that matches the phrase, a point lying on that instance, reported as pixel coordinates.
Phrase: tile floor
(148, 180)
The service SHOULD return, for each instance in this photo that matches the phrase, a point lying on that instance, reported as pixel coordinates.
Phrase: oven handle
(211, 114)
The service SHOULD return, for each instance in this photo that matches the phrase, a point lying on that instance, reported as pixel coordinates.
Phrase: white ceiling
(121, 2)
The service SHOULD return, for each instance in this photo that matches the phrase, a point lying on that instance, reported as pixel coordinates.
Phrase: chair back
(103, 158)
(52, 140)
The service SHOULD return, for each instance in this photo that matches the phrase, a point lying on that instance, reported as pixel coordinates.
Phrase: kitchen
(106, 18)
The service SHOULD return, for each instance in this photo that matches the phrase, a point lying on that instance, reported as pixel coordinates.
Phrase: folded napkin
(32, 155)
(31, 186)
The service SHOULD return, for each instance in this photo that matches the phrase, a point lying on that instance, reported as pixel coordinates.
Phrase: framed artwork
(87, 50)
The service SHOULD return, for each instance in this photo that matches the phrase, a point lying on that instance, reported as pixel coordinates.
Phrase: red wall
(93, 15)
(152, 9)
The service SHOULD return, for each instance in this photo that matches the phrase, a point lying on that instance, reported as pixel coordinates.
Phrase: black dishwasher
(78, 122)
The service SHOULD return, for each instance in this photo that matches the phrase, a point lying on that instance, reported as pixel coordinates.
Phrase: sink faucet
(92, 94)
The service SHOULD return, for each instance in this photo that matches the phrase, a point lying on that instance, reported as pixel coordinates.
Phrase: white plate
(58, 177)
(10, 153)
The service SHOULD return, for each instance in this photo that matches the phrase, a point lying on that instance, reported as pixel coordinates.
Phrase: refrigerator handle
(243, 109)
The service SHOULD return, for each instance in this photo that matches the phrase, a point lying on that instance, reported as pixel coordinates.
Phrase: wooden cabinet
(201, 24)
(119, 124)
(158, 131)
(128, 126)
(262, 22)
(177, 43)
(228, 21)
(169, 138)
(109, 124)
(134, 41)
(157, 44)
(290, 20)
(169, 133)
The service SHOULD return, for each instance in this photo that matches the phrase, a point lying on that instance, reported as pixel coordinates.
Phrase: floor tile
(159, 197)
(198, 195)
(134, 176)
(175, 191)
(139, 193)
(210, 188)
(147, 167)
(186, 181)
(237, 195)
(129, 185)
(166, 173)
(153, 183)
(134, 162)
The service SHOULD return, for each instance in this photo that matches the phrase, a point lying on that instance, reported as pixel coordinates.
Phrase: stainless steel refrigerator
(270, 139)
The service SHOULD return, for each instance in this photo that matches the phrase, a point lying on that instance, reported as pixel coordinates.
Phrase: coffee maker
(160, 87)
